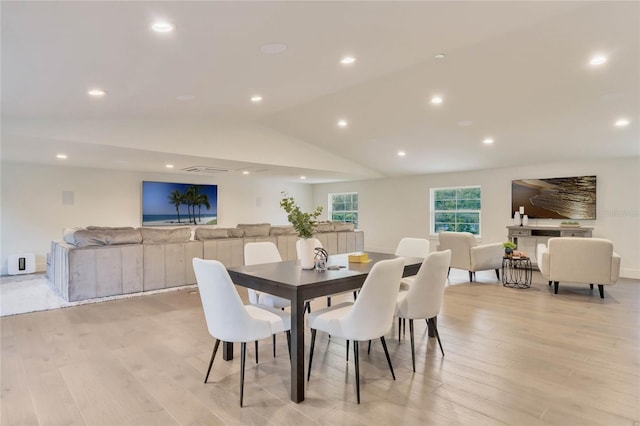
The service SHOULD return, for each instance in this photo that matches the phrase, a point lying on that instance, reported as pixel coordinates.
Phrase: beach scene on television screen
(556, 198)
(174, 204)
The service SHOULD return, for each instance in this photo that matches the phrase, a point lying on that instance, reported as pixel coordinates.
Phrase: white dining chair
(256, 254)
(228, 319)
(424, 298)
(369, 317)
(412, 247)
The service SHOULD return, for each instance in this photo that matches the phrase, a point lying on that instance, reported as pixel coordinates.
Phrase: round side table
(516, 272)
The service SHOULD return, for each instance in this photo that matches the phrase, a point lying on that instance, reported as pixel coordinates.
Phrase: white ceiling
(516, 71)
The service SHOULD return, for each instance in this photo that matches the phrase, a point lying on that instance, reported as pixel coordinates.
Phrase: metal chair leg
(243, 351)
(347, 351)
(357, 360)
(399, 328)
(413, 351)
(213, 355)
(288, 333)
(601, 290)
(274, 345)
(386, 352)
(313, 344)
(435, 328)
(555, 287)
(498, 274)
(256, 351)
(307, 307)
(369, 348)
(470, 276)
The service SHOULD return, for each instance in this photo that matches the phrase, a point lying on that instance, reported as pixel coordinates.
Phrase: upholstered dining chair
(579, 260)
(412, 247)
(256, 254)
(228, 319)
(369, 317)
(468, 255)
(424, 298)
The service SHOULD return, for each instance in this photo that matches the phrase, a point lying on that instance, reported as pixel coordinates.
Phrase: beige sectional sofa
(98, 261)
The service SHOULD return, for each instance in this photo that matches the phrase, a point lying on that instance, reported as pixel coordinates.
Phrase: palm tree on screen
(202, 200)
(175, 198)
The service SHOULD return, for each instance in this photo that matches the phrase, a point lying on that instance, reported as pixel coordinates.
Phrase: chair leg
(448, 270)
(307, 307)
(549, 283)
(470, 276)
(328, 301)
(369, 348)
(288, 333)
(243, 352)
(404, 327)
(413, 351)
(347, 351)
(313, 344)
(213, 355)
(386, 352)
(357, 360)
(555, 287)
(274, 345)
(435, 328)
(601, 289)
(591, 286)
(399, 328)
(355, 295)
(498, 274)
(257, 350)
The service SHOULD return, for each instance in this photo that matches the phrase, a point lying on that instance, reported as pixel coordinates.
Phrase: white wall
(32, 213)
(392, 208)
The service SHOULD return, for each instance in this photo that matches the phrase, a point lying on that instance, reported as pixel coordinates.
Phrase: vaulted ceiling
(515, 72)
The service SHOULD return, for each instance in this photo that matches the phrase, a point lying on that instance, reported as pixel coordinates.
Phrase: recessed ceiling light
(303, 177)
(347, 60)
(273, 48)
(256, 98)
(169, 166)
(245, 172)
(439, 56)
(342, 123)
(598, 60)
(436, 100)
(97, 92)
(487, 141)
(401, 153)
(162, 27)
(61, 156)
(622, 122)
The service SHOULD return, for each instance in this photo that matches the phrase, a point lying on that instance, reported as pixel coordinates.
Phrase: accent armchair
(579, 260)
(468, 255)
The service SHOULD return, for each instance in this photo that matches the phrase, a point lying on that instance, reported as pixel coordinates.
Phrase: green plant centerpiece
(303, 223)
(509, 247)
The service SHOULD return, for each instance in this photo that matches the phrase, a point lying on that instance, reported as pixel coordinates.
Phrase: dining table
(287, 279)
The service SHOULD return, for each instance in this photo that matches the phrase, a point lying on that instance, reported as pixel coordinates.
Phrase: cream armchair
(579, 260)
(468, 255)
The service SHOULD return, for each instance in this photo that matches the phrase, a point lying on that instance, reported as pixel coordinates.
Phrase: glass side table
(516, 272)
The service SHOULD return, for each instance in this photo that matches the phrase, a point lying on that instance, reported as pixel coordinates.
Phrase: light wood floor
(519, 357)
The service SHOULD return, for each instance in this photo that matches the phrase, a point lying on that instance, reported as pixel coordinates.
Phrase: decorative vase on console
(516, 219)
(304, 224)
(525, 220)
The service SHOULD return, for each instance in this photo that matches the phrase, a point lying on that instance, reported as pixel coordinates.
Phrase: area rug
(32, 293)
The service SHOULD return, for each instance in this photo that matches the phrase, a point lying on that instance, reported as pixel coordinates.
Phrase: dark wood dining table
(288, 280)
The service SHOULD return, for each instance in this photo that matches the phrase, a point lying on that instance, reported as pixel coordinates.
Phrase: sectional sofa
(96, 262)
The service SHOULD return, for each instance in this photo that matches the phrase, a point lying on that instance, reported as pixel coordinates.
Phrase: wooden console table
(528, 237)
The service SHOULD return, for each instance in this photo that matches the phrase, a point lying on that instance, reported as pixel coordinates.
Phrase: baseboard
(630, 273)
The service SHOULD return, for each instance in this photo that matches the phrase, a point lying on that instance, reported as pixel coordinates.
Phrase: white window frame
(330, 206)
(433, 212)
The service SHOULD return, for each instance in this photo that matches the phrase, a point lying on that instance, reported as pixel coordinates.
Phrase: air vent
(205, 169)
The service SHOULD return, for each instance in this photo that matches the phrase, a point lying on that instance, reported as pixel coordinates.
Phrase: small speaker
(21, 264)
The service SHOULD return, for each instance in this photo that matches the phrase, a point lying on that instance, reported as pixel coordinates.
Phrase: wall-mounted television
(172, 204)
(555, 198)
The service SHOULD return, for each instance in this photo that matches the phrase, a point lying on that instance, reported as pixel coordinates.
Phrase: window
(344, 208)
(455, 209)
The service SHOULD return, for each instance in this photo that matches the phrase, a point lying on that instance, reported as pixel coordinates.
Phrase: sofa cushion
(104, 237)
(109, 228)
(161, 236)
(211, 233)
(324, 227)
(255, 229)
(235, 232)
(282, 230)
(343, 226)
(68, 235)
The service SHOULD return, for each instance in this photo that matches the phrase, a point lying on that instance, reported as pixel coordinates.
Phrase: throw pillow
(161, 236)
(211, 233)
(255, 229)
(343, 226)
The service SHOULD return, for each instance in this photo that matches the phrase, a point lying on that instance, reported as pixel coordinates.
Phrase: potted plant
(304, 224)
(509, 247)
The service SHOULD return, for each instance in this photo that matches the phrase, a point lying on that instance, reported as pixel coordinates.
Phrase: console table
(528, 237)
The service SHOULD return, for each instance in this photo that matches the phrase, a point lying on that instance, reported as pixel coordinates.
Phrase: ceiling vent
(205, 169)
